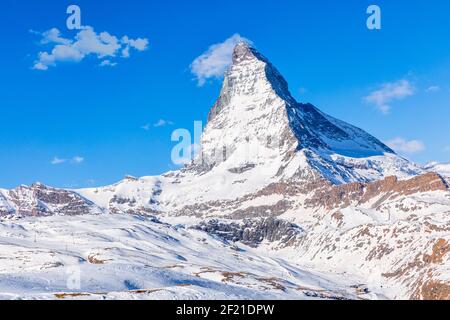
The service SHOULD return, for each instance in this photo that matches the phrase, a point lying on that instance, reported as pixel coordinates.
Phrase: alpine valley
(282, 201)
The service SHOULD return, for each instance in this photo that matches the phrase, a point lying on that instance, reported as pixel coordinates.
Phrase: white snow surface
(441, 168)
(136, 257)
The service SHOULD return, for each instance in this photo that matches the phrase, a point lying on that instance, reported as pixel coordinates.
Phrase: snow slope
(441, 168)
(136, 257)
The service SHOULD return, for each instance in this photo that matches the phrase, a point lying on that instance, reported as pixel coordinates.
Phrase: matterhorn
(281, 200)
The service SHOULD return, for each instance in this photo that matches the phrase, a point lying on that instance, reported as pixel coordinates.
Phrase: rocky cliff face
(389, 188)
(253, 232)
(40, 200)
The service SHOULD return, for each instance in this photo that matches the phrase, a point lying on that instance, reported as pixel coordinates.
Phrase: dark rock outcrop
(252, 231)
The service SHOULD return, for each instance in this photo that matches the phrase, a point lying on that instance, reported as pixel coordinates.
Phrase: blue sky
(80, 124)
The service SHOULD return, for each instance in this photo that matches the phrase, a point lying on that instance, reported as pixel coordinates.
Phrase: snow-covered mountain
(279, 178)
(441, 168)
(256, 122)
(258, 136)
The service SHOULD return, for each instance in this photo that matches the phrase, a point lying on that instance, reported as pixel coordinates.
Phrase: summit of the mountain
(255, 119)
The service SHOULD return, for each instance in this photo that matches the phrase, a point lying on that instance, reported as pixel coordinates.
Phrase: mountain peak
(244, 51)
(255, 108)
(250, 75)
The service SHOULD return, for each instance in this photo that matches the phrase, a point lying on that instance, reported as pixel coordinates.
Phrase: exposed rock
(242, 169)
(433, 290)
(390, 187)
(253, 231)
(40, 200)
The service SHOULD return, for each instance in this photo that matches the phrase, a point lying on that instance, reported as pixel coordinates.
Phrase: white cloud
(74, 160)
(57, 161)
(433, 89)
(59, 53)
(157, 124)
(139, 44)
(126, 52)
(107, 63)
(404, 146)
(103, 44)
(40, 66)
(162, 123)
(389, 92)
(77, 159)
(85, 43)
(214, 62)
(53, 36)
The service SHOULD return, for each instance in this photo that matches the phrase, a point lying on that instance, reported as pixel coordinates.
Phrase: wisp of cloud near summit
(214, 62)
